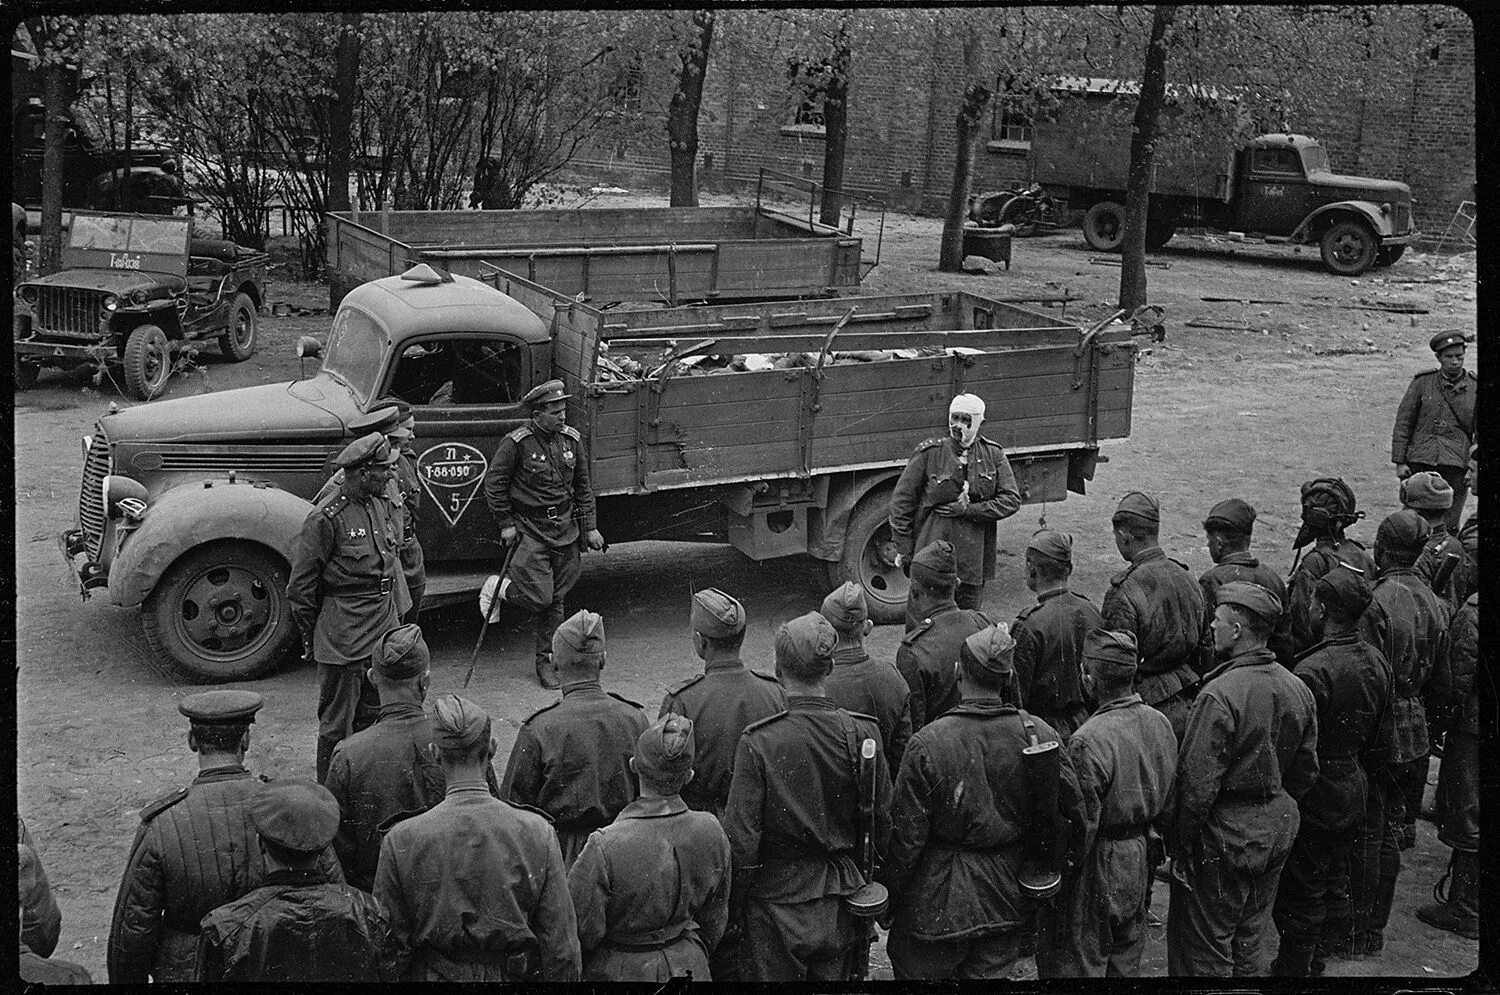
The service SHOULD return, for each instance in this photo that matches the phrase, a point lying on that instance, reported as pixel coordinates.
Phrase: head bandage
(971, 405)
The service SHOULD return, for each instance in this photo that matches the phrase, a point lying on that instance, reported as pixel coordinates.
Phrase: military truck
(189, 507)
(1281, 187)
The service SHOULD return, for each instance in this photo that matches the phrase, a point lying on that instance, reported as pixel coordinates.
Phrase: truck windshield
(1315, 159)
(162, 236)
(355, 347)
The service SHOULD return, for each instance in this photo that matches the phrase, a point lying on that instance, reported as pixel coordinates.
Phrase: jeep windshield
(355, 347)
(1315, 159)
(160, 236)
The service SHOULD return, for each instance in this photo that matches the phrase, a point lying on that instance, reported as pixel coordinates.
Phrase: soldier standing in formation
(930, 647)
(537, 487)
(475, 888)
(1125, 759)
(956, 488)
(651, 889)
(1328, 509)
(1351, 687)
(1435, 421)
(1050, 636)
(1248, 754)
(297, 926)
(346, 589)
(1229, 525)
(792, 821)
(1442, 558)
(1156, 600)
(861, 684)
(570, 758)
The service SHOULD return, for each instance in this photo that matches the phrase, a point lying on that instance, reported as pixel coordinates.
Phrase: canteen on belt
(868, 902)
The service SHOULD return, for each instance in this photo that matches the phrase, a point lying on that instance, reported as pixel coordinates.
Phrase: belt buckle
(552, 512)
(385, 586)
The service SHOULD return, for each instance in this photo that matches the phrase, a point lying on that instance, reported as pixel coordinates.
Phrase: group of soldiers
(995, 791)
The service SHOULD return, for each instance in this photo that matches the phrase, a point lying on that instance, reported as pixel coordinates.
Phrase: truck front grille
(1401, 218)
(90, 498)
(68, 311)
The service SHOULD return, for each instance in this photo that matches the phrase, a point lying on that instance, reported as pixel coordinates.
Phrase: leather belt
(551, 512)
(386, 585)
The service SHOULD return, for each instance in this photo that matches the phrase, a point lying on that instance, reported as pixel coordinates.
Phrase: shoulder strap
(1448, 400)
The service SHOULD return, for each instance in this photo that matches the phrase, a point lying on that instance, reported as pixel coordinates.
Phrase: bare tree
(1142, 151)
(682, 113)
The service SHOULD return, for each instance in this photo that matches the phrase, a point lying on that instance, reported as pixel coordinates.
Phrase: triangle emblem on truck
(452, 473)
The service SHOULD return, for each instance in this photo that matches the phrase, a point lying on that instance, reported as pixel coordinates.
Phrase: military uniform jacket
(471, 881)
(1323, 557)
(540, 484)
(992, 496)
(927, 655)
(1156, 599)
(1250, 750)
(875, 688)
(721, 701)
(1463, 642)
(656, 875)
(1435, 420)
(347, 551)
(404, 494)
(1049, 650)
(794, 801)
(1351, 686)
(196, 849)
(296, 927)
(961, 814)
(571, 759)
(1438, 547)
(1242, 566)
(1466, 577)
(1408, 624)
(381, 772)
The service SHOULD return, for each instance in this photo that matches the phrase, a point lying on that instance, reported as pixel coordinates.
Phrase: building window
(625, 90)
(1010, 127)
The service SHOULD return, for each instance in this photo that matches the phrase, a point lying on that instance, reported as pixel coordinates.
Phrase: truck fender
(827, 526)
(1312, 226)
(193, 514)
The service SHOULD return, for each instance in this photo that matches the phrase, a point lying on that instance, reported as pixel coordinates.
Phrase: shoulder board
(992, 442)
(930, 443)
(571, 433)
(1472, 375)
(162, 804)
(683, 685)
(767, 720)
(765, 677)
(1427, 373)
(540, 711)
(1028, 611)
(916, 631)
(1180, 563)
(1119, 578)
(532, 809)
(621, 697)
(861, 715)
(519, 433)
(333, 504)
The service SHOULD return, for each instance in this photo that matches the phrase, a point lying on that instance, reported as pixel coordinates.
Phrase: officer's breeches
(343, 692)
(541, 576)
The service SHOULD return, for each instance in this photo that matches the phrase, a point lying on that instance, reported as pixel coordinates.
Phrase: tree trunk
(55, 106)
(682, 115)
(836, 126)
(341, 111)
(1142, 153)
(970, 120)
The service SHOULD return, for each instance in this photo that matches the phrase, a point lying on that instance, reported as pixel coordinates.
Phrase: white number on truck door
(452, 474)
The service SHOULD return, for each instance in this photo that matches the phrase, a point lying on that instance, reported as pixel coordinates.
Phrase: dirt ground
(1305, 389)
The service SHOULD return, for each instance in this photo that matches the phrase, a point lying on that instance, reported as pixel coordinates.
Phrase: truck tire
(1104, 226)
(238, 341)
(1388, 254)
(1349, 248)
(1159, 233)
(866, 560)
(148, 362)
(25, 374)
(220, 613)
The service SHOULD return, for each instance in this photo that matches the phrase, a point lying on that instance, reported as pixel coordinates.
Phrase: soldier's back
(927, 655)
(873, 687)
(303, 932)
(721, 702)
(585, 743)
(1169, 605)
(1136, 747)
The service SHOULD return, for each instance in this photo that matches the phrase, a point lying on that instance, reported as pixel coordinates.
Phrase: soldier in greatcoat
(861, 683)
(1229, 526)
(1050, 636)
(930, 648)
(1328, 508)
(1435, 421)
(651, 889)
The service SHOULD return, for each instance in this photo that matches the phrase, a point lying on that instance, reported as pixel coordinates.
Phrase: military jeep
(133, 291)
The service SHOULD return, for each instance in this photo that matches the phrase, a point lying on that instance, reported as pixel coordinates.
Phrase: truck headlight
(138, 297)
(123, 496)
(111, 302)
(1385, 208)
(29, 294)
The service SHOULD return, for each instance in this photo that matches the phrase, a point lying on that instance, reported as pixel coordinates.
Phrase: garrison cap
(846, 608)
(382, 419)
(1053, 545)
(667, 745)
(1113, 652)
(579, 638)
(1443, 340)
(221, 707)
(402, 654)
(372, 448)
(935, 564)
(1403, 530)
(1232, 515)
(991, 648)
(552, 390)
(1139, 505)
(300, 816)
(1347, 588)
(716, 614)
(1251, 597)
(457, 723)
(1426, 491)
(805, 640)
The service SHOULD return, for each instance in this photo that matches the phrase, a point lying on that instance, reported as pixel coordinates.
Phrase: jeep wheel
(238, 342)
(148, 362)
(1388, 254)
(1104, 226)
(220, 613)
(25, 374)
(1348, 248)
(869, 559)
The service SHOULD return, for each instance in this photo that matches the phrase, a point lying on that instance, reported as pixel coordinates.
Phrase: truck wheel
(1159, 233)
(26, 374)
(220, 613)
(148, 362)
(1388, 254)
(1349, 248)
(869, 560)
(238, 342)
(1104, 226)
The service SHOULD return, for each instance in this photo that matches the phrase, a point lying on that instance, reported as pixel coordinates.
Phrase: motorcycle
(1028, 209)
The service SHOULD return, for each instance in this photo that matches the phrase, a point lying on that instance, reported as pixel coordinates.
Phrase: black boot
(1293, 960)
(1460, 913)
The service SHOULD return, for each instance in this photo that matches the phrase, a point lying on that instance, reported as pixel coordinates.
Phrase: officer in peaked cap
(929, 648)
(195, 849)
(537, 487)
(1228, 526)
(383, 419)
(347, 589)
(1435, 421)
(657, 867)
(1429, 495)
(1050, 635)
(861, 683)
